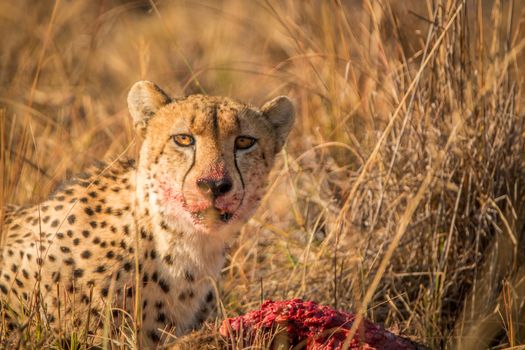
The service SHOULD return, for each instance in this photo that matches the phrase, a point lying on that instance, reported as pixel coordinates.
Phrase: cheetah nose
(216, 187)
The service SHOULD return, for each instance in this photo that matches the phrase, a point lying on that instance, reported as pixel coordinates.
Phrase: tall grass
(400, 193)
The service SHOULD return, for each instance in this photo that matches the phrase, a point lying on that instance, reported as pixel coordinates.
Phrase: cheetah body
(143, 243)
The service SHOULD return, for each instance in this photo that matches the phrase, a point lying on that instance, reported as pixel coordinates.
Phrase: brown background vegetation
(400, 192)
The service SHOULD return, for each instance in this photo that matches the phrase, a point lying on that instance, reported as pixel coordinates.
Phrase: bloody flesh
(315, 326)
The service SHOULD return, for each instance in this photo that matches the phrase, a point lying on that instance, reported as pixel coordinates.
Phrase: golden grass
(400, 192)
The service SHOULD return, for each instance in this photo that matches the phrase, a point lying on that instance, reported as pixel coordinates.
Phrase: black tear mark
(186, 174)
(240, 177)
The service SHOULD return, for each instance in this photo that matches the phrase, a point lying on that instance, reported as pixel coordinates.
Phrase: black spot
(93, 194)
(100, 269)
(76, 241)
(164, 286)
(59, 207)
(110, 254)
(46, 219)
(89, 211)
(85, 233)
(56, 276)
(125, 229)
(84, 200)
(155, 276)
(153, 254)
(98, 208)
(86, 254)
(65, 249)
(85, 299)
(104, 291)
(14, 268)
(168, 259)
(71, 219)
(161, 318)
(113, 229)
(60, 235)
(103, 224)
(209, 297)
(127, 266)
(93, 224)
(188, 276)
(3, 289)
(78, 273)
(96, 240)
(39, 261)
(60, 198)
(69, 261)
(19, 283)
(154, 336)
(52, 258)
(69, 233)
(145, 279)
(25, 273)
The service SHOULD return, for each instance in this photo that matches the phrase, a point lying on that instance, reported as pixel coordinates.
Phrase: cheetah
(146, 239)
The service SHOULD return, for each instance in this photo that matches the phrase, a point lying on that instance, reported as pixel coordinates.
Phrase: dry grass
(400, 194)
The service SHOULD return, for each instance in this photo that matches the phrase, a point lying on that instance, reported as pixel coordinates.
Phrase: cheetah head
(204, 160)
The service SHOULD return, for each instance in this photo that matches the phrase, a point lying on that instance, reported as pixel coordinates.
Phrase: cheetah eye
(244, 142)
(184, 140)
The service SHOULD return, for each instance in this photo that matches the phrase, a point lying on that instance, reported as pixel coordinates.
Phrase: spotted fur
(154, 231)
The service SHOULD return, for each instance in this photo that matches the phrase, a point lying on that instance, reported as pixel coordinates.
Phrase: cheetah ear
(281, 114)
(144, 99)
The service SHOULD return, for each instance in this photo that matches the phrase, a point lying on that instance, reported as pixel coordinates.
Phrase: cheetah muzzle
(153, 231)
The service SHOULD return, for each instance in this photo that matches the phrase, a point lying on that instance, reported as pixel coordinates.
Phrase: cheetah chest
(178, 288)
